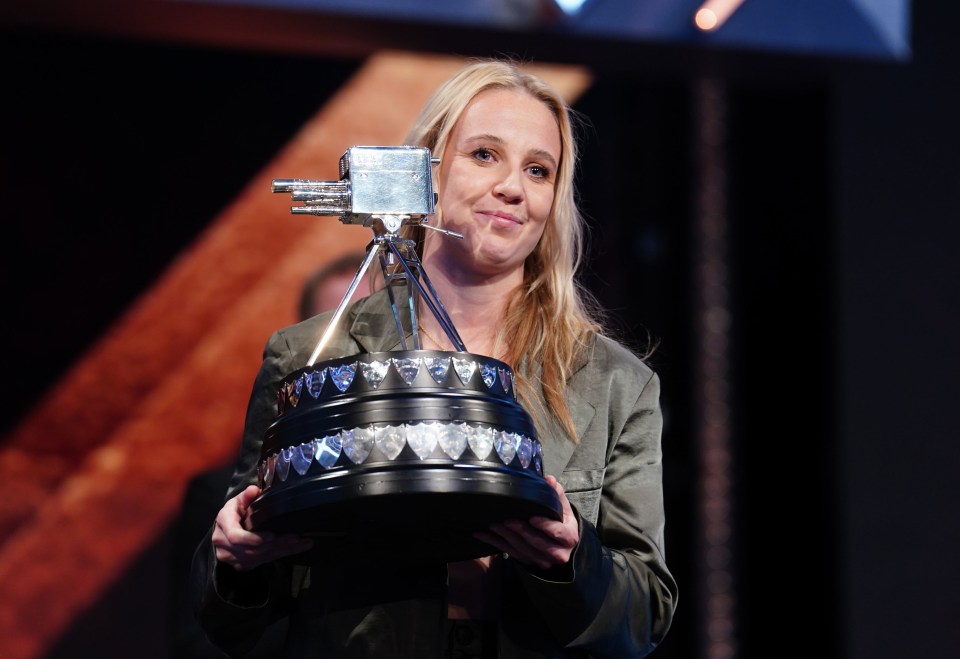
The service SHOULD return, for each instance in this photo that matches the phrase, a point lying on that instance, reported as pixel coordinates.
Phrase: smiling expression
(496, 183)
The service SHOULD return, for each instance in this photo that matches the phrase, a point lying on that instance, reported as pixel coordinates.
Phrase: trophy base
(408, 453)
(430, 512)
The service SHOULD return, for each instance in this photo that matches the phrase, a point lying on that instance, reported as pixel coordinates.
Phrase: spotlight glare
(570, 6)
(705, 19)
(714, 13)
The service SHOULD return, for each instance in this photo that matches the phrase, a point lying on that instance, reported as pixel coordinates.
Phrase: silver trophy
(430, 445)
(383, 188)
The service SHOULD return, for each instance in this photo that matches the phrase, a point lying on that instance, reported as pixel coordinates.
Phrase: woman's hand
(243, 549)
(540, 542)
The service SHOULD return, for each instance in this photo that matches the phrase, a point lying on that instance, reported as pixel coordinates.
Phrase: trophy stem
(391, 248)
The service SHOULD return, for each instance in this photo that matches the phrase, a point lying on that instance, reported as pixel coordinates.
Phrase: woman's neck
(475, 307)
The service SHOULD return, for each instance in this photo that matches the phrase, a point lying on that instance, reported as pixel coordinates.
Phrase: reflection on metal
(384, 188)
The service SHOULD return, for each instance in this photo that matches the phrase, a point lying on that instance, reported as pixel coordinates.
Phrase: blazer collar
(557, 447)
(373, 325)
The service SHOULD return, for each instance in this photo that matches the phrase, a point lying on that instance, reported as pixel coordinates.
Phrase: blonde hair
(550, 318)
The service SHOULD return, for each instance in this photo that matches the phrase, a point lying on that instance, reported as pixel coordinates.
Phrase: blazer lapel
(557, 447)
(374, 327)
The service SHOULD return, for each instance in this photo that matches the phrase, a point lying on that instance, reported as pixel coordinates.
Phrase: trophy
(409, 451)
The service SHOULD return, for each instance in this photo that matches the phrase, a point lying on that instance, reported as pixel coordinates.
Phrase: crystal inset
(328, 450)
(489, 374)
(283, 464)
(314, 381)
(480, 439)
(390, 440)
(465, 368)
(342, 375)
(374, 372)
(453, 439)
(506, 445)
(270, 470)
(293, 391)
(504, 379)
(438, 367)
(302, 457)
(422, 438)
(357, 443)
(525, 451)
(407, 367)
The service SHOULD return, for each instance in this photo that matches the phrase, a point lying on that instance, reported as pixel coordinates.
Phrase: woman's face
(496, 183)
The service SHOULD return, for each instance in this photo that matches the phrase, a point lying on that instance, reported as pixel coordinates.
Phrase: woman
(594, 583)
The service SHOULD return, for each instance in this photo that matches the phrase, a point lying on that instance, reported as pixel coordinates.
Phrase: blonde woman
(591, 584)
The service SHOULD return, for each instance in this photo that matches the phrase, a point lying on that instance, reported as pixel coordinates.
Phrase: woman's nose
(510, 185)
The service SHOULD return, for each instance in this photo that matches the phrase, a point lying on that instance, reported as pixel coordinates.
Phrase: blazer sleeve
(616, 597)
(234, 608)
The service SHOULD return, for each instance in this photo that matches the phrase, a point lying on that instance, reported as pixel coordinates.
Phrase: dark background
(843, 187)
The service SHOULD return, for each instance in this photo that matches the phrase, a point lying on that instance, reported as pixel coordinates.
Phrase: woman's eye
(539, 172)
(482, 154)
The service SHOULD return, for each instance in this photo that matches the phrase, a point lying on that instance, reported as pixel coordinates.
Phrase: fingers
(245, 498)
(524, 543)
(538, 541)
(244, 549)
(565, 508)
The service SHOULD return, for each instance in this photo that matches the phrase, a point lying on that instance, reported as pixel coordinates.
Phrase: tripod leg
(428, 294)
(388, 279)
(372, 251)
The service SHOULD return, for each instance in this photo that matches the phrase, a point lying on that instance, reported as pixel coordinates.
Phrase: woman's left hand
(539, 542)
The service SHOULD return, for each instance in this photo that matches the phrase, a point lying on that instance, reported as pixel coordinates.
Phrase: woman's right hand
(243, 549)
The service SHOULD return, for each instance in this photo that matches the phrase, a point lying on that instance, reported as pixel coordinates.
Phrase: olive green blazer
(615, 599)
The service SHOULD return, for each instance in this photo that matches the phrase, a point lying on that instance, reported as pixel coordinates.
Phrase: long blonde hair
(550, 318)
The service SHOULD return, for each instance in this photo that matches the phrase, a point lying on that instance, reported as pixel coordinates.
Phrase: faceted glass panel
(504, 379)
(293, 391)
(525, 450)
(328, 450)
(270, 470)
(480, 440)
(283, 464)
(390, 440)
(314, 381)
(438, 367)
(422, 438)
(453, 439)
(303, 457)
(465, 369)
(538, 465)
(342, 375)
(407, 367)
(357, 443)
(489, 374)
(374, 372)
(506, 445)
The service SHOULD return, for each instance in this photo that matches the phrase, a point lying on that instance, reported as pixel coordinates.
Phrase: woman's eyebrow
(538, 153)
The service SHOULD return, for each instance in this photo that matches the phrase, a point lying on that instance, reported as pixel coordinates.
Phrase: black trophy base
(427, 512)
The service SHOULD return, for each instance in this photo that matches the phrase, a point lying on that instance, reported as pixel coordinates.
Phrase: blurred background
(773, 192)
